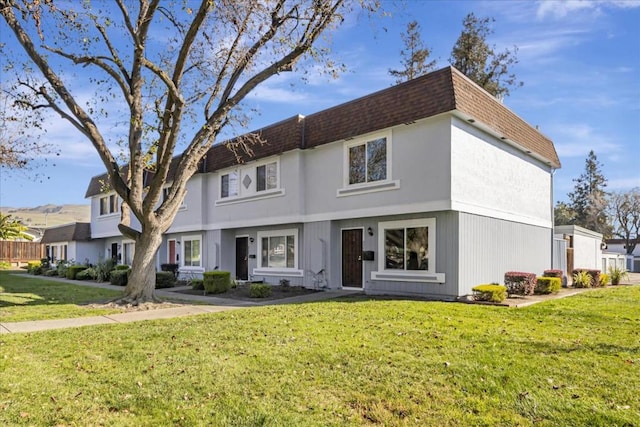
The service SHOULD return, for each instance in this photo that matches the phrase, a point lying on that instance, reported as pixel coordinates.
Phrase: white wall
(491, 178)
(587, 252)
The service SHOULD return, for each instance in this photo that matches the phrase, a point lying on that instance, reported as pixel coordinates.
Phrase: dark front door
(242, 258)
(352, 258)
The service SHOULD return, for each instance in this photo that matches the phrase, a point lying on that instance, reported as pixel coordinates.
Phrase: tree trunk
(142, 279)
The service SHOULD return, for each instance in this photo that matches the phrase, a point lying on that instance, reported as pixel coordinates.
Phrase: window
(191, 254)
(267, 176)
(368, 161)
(108, 204)
(278, 249)
(165, 195)
(229, 184)
(128, 250)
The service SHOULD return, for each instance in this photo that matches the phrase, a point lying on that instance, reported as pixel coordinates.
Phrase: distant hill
(49, 215)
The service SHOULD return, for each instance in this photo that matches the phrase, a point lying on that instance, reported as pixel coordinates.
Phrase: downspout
(553, 219)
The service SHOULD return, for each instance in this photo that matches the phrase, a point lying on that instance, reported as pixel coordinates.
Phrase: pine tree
(414, 55)
(589, 199)
(477, 60)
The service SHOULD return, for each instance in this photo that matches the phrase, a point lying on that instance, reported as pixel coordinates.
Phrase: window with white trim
(191, 251)
(367, 161)
(407, 246)
(109, 204)
(267, 177)
(229, 184)
(278, 249)
(128, 250)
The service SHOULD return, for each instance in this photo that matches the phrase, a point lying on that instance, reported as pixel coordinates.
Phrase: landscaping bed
(241, 292)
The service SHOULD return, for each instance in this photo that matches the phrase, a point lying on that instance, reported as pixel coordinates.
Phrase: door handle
(359, 257)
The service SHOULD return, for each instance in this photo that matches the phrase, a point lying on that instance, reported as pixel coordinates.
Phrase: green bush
(165, 279)
(34, 267)
(216, 282)
(490, 292)
(4, 265)
(548, 285)
(73, 270)
(593, 274)
(197, 284)
(50, 272)
(121, 267)
(62, 268)
(582, 279)
(119, 277)
(617, 274)
(259, 290)
(103, 269)
(87, 274)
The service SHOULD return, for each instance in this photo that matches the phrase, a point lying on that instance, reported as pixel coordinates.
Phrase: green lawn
(358, 361)
(24, 297)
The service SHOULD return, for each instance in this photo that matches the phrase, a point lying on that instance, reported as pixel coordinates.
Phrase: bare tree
(180, 73)
(414, 55)
(479, 61)
(624, 208)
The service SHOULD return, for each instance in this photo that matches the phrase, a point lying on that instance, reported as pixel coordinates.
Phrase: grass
(357, 361)
(24, 298)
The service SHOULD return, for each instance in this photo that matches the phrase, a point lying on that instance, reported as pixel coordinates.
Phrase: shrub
(582, 279)
(119, 277)
(87, 274)
(73, 270)
(5, 265)
(103, 269)
(594, 274)
(216, 282)
(62, 268)
(259, 290)
(604, 279)
(197, 284)
(165, 279)
(519, 283)
(121, 267)
(34, 267)
(548, 285)
(50, 272)
(492, 293)
(173, 268)
(45, 263)
(617, 274)
(556, 273)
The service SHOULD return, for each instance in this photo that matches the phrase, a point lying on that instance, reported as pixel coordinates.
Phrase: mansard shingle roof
(442, 91)
(77, 231)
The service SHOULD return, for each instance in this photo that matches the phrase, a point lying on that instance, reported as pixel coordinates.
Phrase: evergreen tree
(589, 199)
(477, 60)
(414, 55)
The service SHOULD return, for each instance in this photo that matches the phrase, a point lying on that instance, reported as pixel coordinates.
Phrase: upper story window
(108, 204)
(368, 161)
(165, 195)
(267, 176)
(229, 184)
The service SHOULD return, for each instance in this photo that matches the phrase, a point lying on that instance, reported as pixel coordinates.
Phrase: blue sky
(579, 61)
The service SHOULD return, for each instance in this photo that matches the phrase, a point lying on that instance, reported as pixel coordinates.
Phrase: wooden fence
(20, 252)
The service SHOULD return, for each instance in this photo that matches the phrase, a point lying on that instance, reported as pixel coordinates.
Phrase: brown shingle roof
(442, 91)
(77, 231)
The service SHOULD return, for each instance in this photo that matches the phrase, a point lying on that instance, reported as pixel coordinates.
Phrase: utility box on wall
(368, 256)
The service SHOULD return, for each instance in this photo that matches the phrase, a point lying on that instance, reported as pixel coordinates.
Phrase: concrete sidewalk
(209, 305)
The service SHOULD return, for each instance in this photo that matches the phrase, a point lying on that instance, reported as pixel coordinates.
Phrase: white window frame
(108, 198)
(373, 186)
(183, 240)
(230, 196)
(270, 271)
(124, 250)
(429, 275)
(246, 195)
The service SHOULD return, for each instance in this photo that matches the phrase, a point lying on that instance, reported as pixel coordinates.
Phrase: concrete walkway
(206, 304)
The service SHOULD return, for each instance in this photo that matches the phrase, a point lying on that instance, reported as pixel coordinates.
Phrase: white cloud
(574, 8)
(577, 139)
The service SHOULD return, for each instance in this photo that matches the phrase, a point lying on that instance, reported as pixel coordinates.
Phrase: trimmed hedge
(519, 283)
(165, 279)
(556, 273)
(197, 284)
(490, 292)
(173, 268)
(216, 282)
(87, 274)
(119, 277)
(593, 274)
(121, 267)
(259, 290)
(72, 271)
(548, 285)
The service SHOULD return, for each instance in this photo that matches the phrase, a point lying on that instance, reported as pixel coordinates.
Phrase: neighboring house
(586, 249)
(427, 188)
(619, 246)
(70, 242)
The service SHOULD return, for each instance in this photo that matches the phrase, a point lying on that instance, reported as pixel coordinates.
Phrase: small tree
(414, 55)
(11, 229)
(588, 199)
(473, 56)
(624, 208)
(563, 214)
